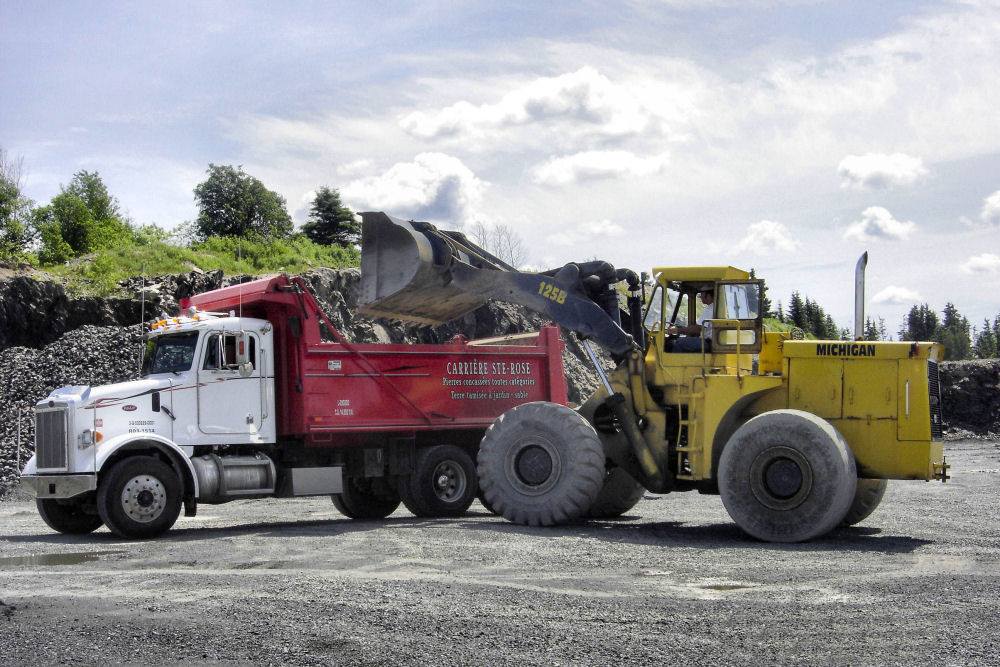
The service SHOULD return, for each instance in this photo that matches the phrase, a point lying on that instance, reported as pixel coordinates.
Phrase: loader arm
(413, 271)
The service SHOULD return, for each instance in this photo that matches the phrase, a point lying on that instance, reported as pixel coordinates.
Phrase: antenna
(142, 314)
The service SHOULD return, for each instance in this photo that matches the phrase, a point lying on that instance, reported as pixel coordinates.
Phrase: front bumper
(59, 486)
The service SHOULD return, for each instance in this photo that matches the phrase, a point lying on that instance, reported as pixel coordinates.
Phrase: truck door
(228, 401)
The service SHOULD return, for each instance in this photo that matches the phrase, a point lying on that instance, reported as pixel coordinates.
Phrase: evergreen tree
(871, 330)
(780, 313)
(921, 324)
(797, 312)
(830, 329)
(985, 346)
(954, 333)
(330, 222)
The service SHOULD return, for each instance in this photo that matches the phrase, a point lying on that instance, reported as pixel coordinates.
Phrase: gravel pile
(89, 355)
(970, 395)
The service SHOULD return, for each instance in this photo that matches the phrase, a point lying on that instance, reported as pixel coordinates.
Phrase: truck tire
(365, 500)
(443, 482)
(787, 476)
(485, 503)
(541, 464)
(139, 497)
(68, 516)
(618, 495)
(868, 496)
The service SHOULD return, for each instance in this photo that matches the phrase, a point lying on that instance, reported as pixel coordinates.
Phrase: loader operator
(694, 333)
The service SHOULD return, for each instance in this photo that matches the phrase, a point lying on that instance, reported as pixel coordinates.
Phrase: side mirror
(243, 361)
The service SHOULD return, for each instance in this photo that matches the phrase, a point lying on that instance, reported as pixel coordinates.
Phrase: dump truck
(796, 436)
(253, 393)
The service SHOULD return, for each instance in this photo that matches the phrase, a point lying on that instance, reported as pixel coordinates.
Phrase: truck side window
(220, 352)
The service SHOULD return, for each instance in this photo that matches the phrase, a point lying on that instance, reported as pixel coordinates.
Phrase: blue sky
(788, 136)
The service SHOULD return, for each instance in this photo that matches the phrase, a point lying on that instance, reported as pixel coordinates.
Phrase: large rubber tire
(867, 497)
(139, 497)
(541, 464)
(619, 494)
(68, 517)
(485, 503)
(443, 482)
(365, 499)
(787, 476)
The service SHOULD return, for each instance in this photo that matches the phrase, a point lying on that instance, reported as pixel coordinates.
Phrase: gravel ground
(292, 582)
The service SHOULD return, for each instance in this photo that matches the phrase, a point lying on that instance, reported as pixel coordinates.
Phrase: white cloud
(592, 229)
(984, 263)
(991, 209)
(877, 223)
(896, 296)
(593, 165)
(355, 167)
(434, 187)
(764, 237)
(879, 171)
(585, 96)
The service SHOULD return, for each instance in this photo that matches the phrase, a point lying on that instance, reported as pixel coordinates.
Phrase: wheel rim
(533, 465)
(450, 481)
(781, 478)
(144, 498)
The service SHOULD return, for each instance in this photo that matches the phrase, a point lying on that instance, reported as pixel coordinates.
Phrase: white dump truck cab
(207, 382)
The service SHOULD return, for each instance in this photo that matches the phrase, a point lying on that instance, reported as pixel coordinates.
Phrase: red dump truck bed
(330, 392)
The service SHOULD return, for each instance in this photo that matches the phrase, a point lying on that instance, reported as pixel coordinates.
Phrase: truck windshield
(170, 353)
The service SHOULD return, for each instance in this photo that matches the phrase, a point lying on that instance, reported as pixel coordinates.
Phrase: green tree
(985, 346)
(921, 324)
(871, 330)
(330, 222)
(85, 216)
(780, 313)
(16, 229)
(797, 312)
(954, 333)
(231, 202)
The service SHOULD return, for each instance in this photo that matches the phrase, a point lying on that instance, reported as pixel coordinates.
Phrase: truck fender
(139, 441)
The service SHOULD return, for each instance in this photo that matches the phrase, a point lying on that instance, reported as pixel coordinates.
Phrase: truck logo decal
(128, 407)
(845, 350)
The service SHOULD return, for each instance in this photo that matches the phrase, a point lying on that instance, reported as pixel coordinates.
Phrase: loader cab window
(653, 319)
(220, 352)
(738, 303)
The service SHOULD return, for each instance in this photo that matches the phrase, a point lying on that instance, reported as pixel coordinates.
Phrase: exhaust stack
(859, 296)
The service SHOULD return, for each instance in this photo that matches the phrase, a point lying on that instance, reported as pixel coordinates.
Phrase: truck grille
(50, 440)
(934, 393)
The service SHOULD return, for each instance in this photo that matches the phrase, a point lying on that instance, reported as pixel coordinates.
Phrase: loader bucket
(405, 272)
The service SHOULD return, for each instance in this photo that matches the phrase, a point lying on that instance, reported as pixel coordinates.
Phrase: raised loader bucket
(405, 271)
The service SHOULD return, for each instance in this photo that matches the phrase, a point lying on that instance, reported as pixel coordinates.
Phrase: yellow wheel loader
(797, 436)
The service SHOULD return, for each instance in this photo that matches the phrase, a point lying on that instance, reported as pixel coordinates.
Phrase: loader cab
(734, 328)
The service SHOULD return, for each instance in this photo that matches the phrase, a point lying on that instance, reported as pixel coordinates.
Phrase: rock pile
(970, 395)
(86, 356)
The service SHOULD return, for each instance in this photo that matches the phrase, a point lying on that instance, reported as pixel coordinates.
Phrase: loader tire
(541, 464)
(868, 496)
(618, 495)
(365, 499)
(443, 482)
(485, 503)
(68, 517)
(787, 476)
(139, 498)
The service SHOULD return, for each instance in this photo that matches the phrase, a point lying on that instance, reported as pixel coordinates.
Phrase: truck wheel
(68, 516)
(787, 476)
(140, 497)
(619, 494)
(443, 482)
(541, 464)
(866, 499)
(365, 500)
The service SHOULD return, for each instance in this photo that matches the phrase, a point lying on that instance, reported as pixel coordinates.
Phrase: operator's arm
(686, 330)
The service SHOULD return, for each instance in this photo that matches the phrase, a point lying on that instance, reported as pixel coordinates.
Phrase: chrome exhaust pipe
(859, 296)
